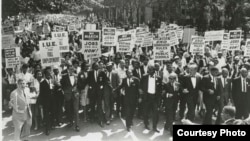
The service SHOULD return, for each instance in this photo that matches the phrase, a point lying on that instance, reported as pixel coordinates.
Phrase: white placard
(197, 45)
(91, 46)
(109, 36)
(63, 40)
(162, 50)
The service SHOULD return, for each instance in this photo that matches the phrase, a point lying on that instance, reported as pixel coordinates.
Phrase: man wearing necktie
(47, 100)
(191, 90)
(93, 88)
(241, 94)
(131, 88)
(109, 96)
(21, 115)
(71, 96)
(225, 92)
(151, 86)
(171, 96)
(209, 87)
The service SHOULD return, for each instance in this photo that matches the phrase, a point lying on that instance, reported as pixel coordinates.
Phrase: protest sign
(59, 28)
(50, 52)
(12, 57)
(140, 33)
(124, 43)
(147, 40)
(6, 30)
(172, 36)
(179, 32)
(7, 41)
(214, 35)
(225, 42)
(188, 33)
(197, 45)
(235, 39)
(162, 50)
(91, 46)
(247, 48)
(63, 40)
(109, 36)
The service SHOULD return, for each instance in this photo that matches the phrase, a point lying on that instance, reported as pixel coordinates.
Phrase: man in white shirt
(151, 86)
(28, 77)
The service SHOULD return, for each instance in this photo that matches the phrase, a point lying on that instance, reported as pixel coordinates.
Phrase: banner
(235, 39)
(225, 42)
(6, 30)
(124, 43)
(63, 40)
(247, 48)
(162, 50)
(214, 35)
(91, 46)
(109, 36)
(188, 33)
(50, 52)
(59, 28)
(7, 41)
(198, 45)
(12, 57)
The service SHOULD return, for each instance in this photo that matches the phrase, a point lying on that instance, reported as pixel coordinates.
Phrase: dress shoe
(47, 132)
(77, 128)
(108, 122)
(156, 130)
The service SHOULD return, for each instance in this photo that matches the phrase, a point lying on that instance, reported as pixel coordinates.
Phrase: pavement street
(93, 132)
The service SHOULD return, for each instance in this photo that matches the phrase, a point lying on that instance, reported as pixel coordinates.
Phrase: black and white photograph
(123, 70)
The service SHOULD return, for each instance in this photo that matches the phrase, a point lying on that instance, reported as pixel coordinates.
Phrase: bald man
(225, 92)
(241, 94)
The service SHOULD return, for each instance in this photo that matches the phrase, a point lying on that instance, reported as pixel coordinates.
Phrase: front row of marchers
(145, 92)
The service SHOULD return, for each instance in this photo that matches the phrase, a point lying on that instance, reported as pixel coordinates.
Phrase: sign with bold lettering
(124, 43)
(173, 38)
(162, 49)
(235, 39)
(12, 57)
(108, 36)
(225, 42)
(63, 40)
(50, 53)
(147, 40)
(198, 45)
(91, 46)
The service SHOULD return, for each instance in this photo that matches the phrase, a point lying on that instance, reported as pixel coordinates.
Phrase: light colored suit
(21, 115)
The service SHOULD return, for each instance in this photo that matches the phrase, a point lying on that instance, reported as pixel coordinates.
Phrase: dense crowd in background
(189, 88)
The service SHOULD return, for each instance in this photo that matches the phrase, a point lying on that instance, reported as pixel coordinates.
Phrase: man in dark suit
(209, 87)
(109, 95)
(97, 80)
(172, 90)
(191, 88)
(241, 94)
(71, 96)
(93, 88)
(225, 92)
(131, 86)
(151, 86)
(46, 99)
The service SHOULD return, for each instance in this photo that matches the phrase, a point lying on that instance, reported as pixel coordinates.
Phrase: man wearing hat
(209, 87)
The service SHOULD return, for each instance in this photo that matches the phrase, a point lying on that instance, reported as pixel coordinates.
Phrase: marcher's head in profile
(228, 112)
